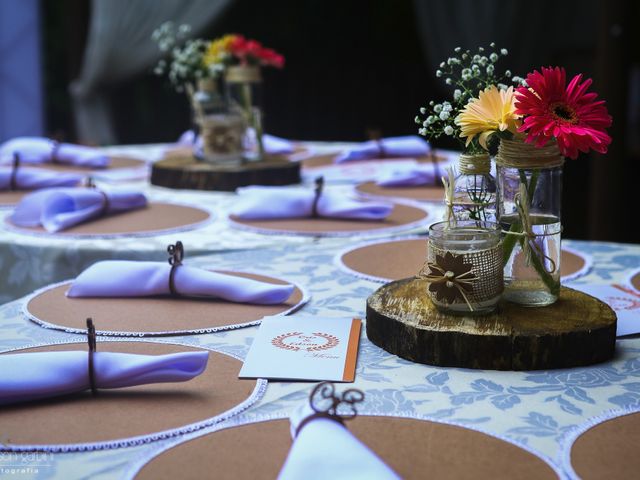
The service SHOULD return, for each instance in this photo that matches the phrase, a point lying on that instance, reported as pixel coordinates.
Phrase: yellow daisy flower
(217, 50)
(492, 111)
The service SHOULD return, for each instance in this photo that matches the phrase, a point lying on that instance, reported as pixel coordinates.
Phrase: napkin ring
(318, 193)
(325, 403)
(55, 146)
(176, 254)
(381, 149)
(91, 340)
(13, 180)
(437, 173)
(105, 198)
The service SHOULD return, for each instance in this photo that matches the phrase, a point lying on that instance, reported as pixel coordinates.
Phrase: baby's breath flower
(504, 51)
(417, 120)
(470, 72)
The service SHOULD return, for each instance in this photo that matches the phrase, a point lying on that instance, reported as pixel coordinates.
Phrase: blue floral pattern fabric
(535, 410)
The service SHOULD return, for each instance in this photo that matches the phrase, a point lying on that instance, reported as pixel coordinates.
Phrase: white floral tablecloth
(28, 262)
(539, 411)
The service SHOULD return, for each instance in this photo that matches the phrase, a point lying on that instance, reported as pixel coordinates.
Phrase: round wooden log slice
(576, 330)
(185, 171)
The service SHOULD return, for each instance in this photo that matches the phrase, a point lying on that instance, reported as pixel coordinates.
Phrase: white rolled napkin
(34, 179)
(263, 203)
(32, 376)
(44, 150)
(272, 144)
(123, 278)
(419, 175)
(325, 449)
(409, 146)
(57, 209)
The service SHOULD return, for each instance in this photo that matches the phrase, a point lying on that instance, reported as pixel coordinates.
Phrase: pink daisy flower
(553, 109)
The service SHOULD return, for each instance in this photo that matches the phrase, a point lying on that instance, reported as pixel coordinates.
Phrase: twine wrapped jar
(221, 128)
(464, 267)
(474, 191)
(244, 90)
(529, 211)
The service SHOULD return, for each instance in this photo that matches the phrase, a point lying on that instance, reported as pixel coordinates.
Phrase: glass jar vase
(529, 211)
(474, 191)
(221, 129)
(464, 267)
(244, 89)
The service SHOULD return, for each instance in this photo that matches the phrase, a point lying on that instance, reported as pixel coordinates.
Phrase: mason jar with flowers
(554, 120)
(218, 129)
(241, 60)
(471, 194)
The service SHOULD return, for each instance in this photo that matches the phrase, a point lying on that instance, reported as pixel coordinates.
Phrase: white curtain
(119, 46)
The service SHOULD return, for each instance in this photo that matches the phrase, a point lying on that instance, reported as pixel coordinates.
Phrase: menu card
(304, 348)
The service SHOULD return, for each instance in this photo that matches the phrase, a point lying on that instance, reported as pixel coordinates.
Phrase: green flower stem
(547, 279)
(509, 242)
(516, 227)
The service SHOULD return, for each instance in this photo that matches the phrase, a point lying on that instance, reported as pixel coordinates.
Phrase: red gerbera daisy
(553, 109)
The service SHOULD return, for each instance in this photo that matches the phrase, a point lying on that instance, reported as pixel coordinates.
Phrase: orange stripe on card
(349, 373)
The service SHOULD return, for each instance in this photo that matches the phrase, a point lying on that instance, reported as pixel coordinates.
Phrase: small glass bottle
(474, 191)
(464, 267)
(221, 128)
(529, 210)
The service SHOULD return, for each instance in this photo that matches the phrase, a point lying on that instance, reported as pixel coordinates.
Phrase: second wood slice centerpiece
(180, 169)
(576, 330)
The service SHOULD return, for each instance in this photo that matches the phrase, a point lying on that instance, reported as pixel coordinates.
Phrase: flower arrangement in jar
(241, 60)
(472, 194)
(553, 119)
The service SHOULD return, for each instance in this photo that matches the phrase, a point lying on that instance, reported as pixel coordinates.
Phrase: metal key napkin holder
(325, 403)
(176, 254)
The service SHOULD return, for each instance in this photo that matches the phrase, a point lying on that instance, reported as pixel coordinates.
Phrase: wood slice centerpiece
(180, 170)
(576, 330)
